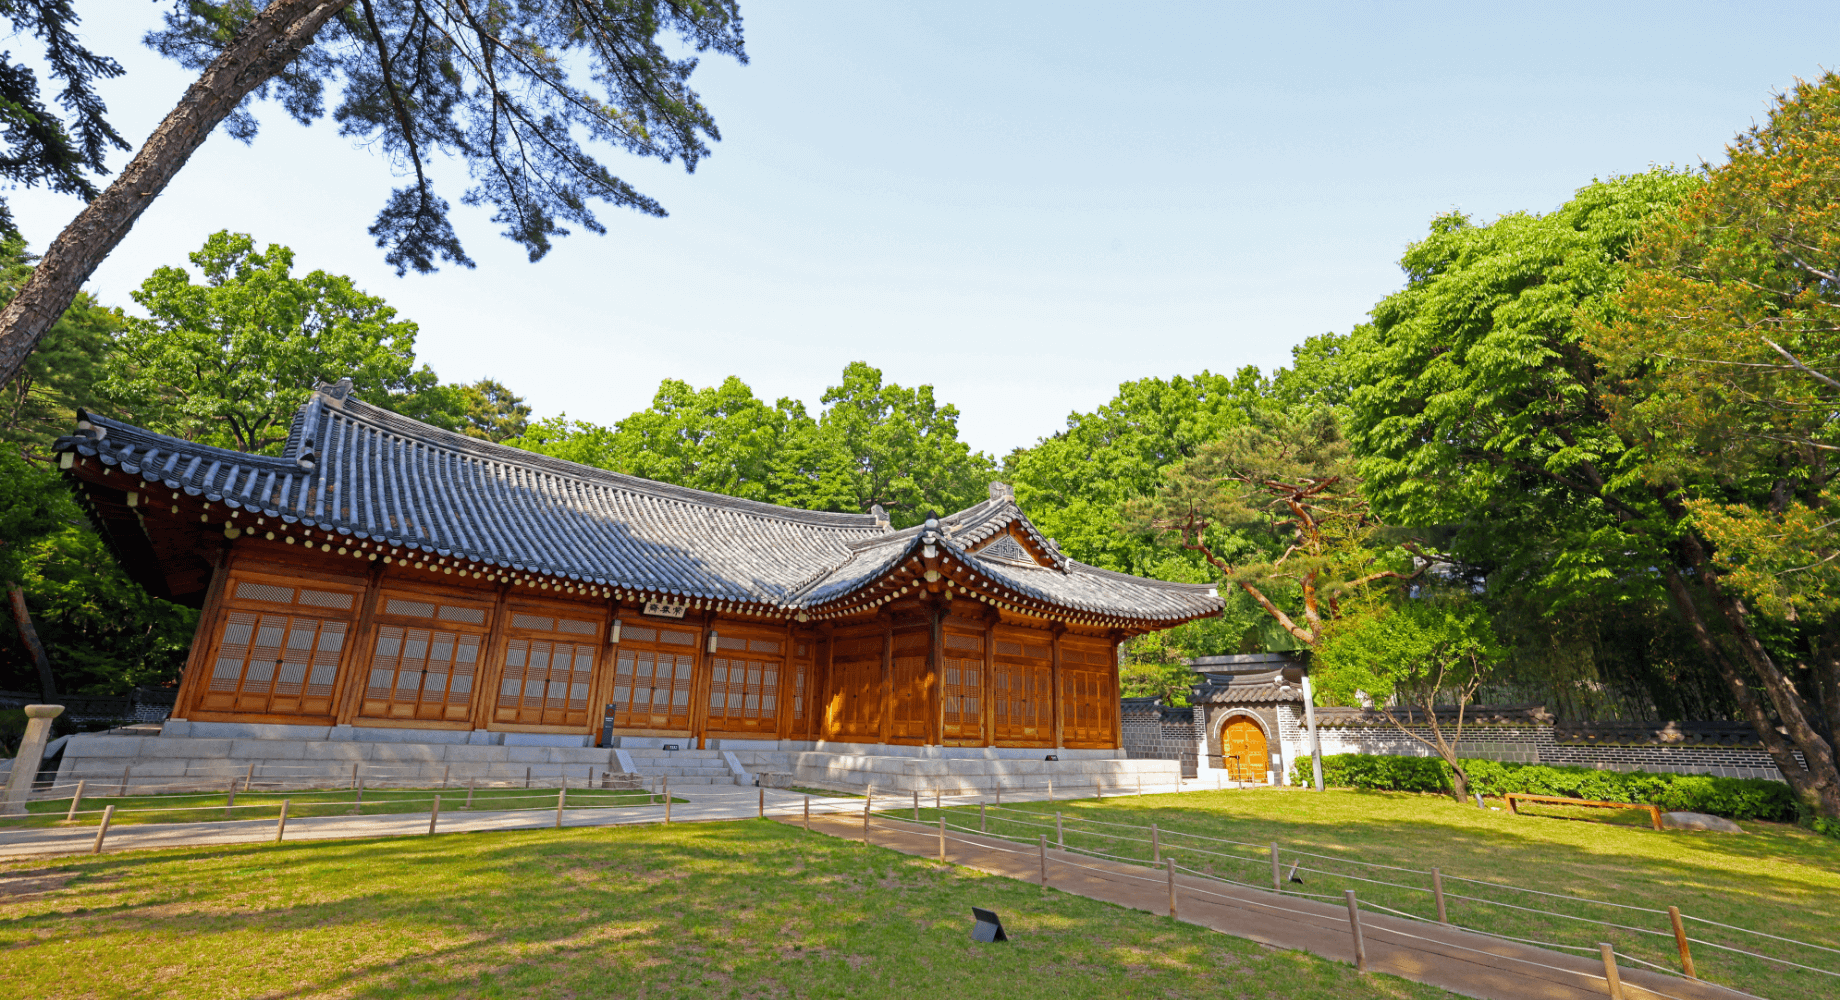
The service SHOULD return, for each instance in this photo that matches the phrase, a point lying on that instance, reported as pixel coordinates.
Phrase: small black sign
(672, 746)
(1050, 757)
(988, 927)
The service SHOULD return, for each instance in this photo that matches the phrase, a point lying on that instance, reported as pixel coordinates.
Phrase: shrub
(1734, 798)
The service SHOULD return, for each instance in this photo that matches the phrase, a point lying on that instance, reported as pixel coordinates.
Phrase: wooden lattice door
(963, 691)
(279, 650)
(1088, 702)
(1242, 745)
(1024, 695)
(425, 659)
(908, 715)
(652, 678)
(744, 685)
(549, 670)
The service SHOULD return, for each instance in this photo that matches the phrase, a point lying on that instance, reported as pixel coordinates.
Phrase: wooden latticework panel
(278, 652)
(963, 690)
(549, 671)
(425, 659)
(908, 717)
(744, 685)
(800, 692)
(1024, 689)
(652, 678)
(1088, 702)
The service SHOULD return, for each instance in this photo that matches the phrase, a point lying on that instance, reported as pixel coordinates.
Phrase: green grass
(743, 909)
(204, 808)
(1776, 878)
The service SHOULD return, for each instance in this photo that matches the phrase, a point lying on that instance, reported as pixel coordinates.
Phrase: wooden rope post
(469, 793)
(249, 779)
(1044, 860)
(1277, 884)
(123, 790)
(562, 795)
(916, 805)
(354, 776)
(1156, 845)
(281, 821)
(434, 814)
(807, 814)
(1050, 789)
(1680, 938)
(1611, 977)
(1437, 889)
(527, 777)
(1060, 839)
(942, 838)
(230, 799)
(1098, 789)
(1354, 924)
(866, 801)
(76, 799)
(108, 813)
(935, 798)
(763, 802)
(446, 771)
(664, 781)
(357, 805)
(999, 793)
(1172, 888)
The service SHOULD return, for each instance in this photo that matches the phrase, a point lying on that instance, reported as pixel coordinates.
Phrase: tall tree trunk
(1816, 790)
(22, 618)
(266, 44)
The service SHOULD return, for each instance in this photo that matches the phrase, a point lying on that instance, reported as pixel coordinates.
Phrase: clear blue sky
(1023, 204)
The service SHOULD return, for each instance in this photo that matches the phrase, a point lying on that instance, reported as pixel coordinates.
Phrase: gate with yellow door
(1242, 750)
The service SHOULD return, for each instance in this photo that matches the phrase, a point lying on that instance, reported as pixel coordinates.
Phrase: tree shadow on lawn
(752, 908)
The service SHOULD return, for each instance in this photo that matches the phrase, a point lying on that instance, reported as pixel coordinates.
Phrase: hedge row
(1735, 798)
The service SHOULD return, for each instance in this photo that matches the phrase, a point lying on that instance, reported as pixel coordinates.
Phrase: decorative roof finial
(1002, 491)
(880, 515)
(340, 390)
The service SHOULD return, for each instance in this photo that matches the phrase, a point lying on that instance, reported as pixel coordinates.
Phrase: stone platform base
(970, 776)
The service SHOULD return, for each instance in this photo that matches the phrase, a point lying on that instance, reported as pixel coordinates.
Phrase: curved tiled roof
(359, 470)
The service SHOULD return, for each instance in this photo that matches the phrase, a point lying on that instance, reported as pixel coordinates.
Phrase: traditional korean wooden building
(384, 573)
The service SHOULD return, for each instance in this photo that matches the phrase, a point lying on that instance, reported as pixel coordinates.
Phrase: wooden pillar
(1056, 629)
(825, 722)
(1117, 696)
(607, 664)
(354, 665)
(486, 679)
(887, 713)
(197, 673)
(936, 679)
(700, 676)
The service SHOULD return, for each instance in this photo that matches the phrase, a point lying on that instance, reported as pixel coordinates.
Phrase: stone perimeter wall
(1535, 744)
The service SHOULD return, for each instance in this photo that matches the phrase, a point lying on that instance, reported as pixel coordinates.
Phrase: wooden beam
(988, 708)
(354, 665)
(702, 666)
(936, 678)
(1060, 689)
(484, 704)
(194, 677)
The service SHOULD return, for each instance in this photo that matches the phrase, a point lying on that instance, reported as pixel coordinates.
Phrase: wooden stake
(1098, 789)
(1680, 936)
(124, 781)
(1172, 888)
(935, 798)
(807, 814)
(866, 800)
(916, 805)
(942, 838)
(763, 802)
(75, 800)
(434, 814)
(1611, 976)
(1050, 789)
(562, 795)
(1044, 859)
(527, 777)
(1277, 884)
(357, 805)
(1354, 924)
(281, 821)
(469, 793)
(108, 813)
(1437, 889)
(354, 776)
(445, 772)
(664, 781)
(249, 779)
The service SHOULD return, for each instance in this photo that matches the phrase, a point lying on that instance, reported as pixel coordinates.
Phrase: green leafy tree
(63, 374)
(1722, 349)
(493, 412)
(522, 93)
(1411, 659)
(228, 361)
(1478, 408)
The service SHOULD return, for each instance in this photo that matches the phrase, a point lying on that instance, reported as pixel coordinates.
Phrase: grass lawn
(1776, 878)
(742, 909)
(214, 806)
